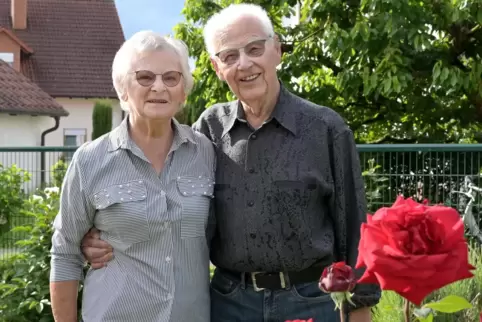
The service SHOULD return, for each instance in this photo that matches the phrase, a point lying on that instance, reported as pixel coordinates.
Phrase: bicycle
(468, 216)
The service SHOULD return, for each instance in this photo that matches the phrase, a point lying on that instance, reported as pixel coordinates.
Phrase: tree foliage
(400, 71)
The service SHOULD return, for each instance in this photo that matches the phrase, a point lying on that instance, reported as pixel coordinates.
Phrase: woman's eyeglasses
(147, 78)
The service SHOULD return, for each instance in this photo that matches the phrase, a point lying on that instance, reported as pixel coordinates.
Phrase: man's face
(247, 59)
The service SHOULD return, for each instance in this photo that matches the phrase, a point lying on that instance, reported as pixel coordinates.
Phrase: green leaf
(396, 84)
(39, 307)
(387, 85)
(436, 70)
(429, 318)
(445, 74)
(449, 304)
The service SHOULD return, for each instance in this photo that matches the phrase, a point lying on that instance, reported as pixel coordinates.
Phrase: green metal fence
(432, 171)
(39, 162)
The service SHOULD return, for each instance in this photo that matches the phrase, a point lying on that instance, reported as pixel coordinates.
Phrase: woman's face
(155, 86)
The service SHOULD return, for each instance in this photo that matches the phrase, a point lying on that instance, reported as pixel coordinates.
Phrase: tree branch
(325, 61)
(372, 120)
(387, 138)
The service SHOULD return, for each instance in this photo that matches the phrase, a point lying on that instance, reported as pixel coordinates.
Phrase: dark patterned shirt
(289, 194)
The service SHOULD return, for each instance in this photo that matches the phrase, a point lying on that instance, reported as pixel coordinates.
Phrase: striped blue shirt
(156, 225)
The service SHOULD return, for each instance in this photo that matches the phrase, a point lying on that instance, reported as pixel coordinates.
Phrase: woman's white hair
(221, 20)
(140, 43)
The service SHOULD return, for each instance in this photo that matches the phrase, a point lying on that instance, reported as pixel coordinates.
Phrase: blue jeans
(233, 300)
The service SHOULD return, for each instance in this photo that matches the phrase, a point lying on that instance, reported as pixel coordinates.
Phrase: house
(57, 57)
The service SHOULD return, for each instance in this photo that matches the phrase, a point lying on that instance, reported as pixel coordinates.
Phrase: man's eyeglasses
(253, 49)
(147, 78)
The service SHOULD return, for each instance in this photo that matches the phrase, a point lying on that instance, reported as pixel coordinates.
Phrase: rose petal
(416, 295)
(368, 277)
(449, 219)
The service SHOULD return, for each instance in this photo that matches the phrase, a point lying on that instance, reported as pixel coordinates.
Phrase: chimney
(19, 14)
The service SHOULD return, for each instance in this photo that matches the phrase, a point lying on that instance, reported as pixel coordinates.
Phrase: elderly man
(289, 196)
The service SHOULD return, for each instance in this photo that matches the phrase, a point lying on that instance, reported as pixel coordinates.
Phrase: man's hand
(361, 315)
(96, 251)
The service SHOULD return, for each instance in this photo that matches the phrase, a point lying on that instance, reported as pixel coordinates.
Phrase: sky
(157, 15)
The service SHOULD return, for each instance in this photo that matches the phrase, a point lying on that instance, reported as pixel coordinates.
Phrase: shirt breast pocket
(122, 213)
(196, 193)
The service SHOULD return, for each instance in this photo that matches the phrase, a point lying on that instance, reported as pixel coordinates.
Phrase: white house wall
(22, 131)
(80, 117)
(25, 131)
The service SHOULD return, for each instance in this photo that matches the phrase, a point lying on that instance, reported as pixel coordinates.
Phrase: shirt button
(250, 203)
(253, 136)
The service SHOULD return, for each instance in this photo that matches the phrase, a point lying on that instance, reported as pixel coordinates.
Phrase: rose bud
(338, 277)
(339, 280)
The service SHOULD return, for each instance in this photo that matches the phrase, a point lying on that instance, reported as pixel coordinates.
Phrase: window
(74, 137)
(7, 57)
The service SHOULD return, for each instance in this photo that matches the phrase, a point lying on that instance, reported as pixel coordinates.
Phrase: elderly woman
(146, 186)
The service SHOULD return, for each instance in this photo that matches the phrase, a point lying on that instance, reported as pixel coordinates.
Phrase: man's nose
(244, 61)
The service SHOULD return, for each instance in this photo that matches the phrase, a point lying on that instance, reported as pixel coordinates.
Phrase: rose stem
(342, 314)
(407, 311)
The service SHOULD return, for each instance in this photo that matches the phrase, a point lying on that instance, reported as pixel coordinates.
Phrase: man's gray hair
(143, 42)
(221, 20)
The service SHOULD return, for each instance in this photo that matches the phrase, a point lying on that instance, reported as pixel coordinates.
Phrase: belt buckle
(258, 289)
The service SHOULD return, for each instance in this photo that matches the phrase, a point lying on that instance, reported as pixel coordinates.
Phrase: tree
(400, 71)
(101, 119)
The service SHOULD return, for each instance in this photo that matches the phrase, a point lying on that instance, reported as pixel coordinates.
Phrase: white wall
(13, 130)
(22, 131)
(80, 118)
(25, 131)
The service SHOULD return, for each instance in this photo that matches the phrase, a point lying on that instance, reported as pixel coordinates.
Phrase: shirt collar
(283, 113)
(120, 139)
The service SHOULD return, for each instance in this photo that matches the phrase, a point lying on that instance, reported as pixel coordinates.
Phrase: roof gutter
(42, 143)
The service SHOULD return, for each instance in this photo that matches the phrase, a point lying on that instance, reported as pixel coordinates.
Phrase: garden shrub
(11, 196)
(375, 183)
(24, 279)
(58, 172)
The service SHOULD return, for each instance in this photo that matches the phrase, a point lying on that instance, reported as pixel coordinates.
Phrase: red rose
(413, 249)
(337, 277)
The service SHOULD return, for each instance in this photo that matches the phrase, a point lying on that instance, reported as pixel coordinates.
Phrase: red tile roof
(22, 45)
(19, 95)
(74, 43)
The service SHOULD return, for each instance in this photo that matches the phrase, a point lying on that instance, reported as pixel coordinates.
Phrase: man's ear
(216, 68)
